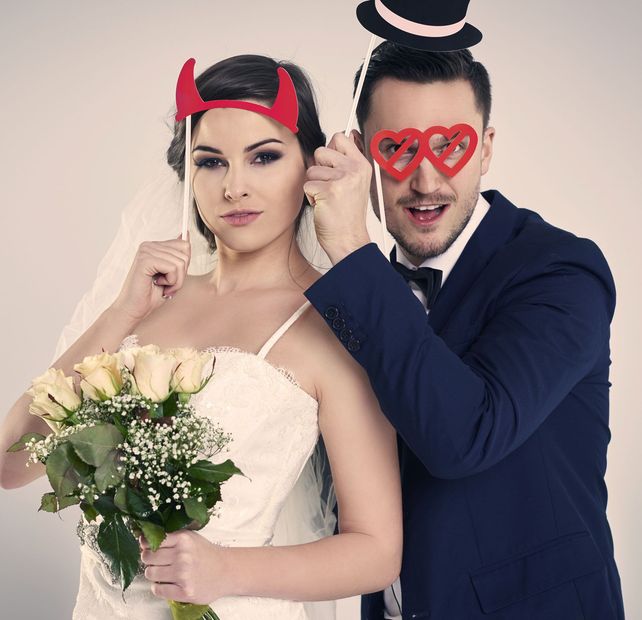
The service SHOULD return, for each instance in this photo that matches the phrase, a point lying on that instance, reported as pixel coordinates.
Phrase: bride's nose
(235, 185)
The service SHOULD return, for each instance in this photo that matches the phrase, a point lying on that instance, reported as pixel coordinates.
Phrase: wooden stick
(357, 94)
(187, 193)
(382, 210)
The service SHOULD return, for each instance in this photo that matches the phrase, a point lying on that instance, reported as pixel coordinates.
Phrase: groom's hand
(337, 186)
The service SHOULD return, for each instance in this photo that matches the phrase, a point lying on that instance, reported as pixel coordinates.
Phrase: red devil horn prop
(284, 110)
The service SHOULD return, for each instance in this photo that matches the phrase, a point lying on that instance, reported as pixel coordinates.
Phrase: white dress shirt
(445, 263)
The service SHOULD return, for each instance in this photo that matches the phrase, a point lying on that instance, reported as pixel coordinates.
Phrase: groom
(487, 343)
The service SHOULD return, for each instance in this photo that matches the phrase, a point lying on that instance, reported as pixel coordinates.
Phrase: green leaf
(120, 498)
(154, 534)
(209, 491)
(68, 500)
(213, 472)
(121, 548)
(108, 473)
(213, 498)
(131, 501)
(94, 444)
(65, 470)
(196, 510)
(137, 503)
(21, 443)
(191, 611)
(105, 506)
(176, 519)
(49, 503)
(169, 408)
(89, 511)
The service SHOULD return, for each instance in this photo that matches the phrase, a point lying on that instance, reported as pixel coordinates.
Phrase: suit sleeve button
(331, 312)
(338, 323)
(345, 334)
(353, 344)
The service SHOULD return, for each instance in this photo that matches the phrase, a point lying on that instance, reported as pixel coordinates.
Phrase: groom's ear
(358, 140)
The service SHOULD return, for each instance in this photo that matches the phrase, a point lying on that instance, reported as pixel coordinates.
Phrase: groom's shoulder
(535, 242)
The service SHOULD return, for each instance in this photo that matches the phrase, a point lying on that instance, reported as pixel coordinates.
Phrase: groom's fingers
(316, 191)
(345, 146)
(328, 156)
(322, 173)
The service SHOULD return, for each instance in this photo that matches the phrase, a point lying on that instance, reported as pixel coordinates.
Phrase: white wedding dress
(274, 428)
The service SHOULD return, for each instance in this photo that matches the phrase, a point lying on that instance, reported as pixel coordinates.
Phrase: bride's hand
(157, 272)
(187, 568)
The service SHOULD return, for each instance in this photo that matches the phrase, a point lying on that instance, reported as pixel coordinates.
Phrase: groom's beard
(422, 246)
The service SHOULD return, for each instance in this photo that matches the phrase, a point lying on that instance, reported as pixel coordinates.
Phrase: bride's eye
(209, 162)
(266, 157)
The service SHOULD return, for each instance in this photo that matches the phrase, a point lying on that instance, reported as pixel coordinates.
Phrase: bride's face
(247, 177)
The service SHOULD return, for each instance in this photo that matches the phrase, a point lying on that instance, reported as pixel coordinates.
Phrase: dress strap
(265, 349)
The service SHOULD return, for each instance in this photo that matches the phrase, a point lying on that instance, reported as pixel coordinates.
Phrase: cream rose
(193, 370)
(54, 397)
(152, 374)
(127, 357)
(101, 378)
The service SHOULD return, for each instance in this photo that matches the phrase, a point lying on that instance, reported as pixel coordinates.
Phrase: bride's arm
(106, 333)
(364, 557)
(138, 298)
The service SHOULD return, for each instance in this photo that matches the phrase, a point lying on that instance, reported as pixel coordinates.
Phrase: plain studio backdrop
(87, 96)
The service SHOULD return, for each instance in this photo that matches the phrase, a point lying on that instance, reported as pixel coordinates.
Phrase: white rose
(54, 397)
(193, 370)
(127, 357)
(153, 374)
(101, 376)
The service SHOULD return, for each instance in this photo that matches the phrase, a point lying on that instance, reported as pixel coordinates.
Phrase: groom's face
(397, 105)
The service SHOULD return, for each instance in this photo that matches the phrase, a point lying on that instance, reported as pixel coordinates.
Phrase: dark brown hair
(411, 65)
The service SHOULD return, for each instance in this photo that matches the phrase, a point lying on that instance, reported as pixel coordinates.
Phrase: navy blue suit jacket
(500, 400)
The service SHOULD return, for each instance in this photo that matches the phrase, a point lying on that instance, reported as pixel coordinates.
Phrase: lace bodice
(274, 427)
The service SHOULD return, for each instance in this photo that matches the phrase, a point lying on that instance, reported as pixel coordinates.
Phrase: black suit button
(345, 334)
(331, 312)
(338, 323)
(353, 344)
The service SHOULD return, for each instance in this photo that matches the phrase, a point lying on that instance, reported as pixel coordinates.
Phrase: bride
(281, 378)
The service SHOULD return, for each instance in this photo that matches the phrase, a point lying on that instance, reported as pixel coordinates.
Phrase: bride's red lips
(240, 212)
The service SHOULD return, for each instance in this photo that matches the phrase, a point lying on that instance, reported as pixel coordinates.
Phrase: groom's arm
(460, 415)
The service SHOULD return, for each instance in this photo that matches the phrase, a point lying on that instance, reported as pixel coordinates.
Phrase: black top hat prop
(432, 25)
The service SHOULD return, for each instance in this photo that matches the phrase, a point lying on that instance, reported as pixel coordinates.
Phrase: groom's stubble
(422, 245)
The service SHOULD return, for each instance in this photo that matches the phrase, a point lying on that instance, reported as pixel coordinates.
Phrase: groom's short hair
(411, 65)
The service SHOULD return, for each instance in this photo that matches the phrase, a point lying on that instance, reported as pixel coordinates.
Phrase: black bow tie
(428, 279)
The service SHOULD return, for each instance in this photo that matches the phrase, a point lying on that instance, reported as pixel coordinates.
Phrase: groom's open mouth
(426, 215)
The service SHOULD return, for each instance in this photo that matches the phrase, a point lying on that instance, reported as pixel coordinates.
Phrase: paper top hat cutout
(431, 25)
(284, 110)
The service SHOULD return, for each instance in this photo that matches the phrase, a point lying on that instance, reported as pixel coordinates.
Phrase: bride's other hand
(157, 273)
(187, 568)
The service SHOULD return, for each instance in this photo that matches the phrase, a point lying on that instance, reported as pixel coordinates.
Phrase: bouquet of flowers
(131, 451)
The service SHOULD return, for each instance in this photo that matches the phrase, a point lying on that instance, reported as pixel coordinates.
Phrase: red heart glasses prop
(454, 137)
(405, 139)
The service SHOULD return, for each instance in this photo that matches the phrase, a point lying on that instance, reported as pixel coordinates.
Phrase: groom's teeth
(432, 208)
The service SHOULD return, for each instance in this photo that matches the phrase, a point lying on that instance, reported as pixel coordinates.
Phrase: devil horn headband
(284, 110)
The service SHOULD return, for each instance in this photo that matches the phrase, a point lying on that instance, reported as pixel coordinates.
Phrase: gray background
(88, 89)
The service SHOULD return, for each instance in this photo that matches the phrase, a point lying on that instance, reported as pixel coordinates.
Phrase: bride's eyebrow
(256, 145)
(247, 149)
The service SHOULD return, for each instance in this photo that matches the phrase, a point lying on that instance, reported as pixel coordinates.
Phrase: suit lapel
(492, 233)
